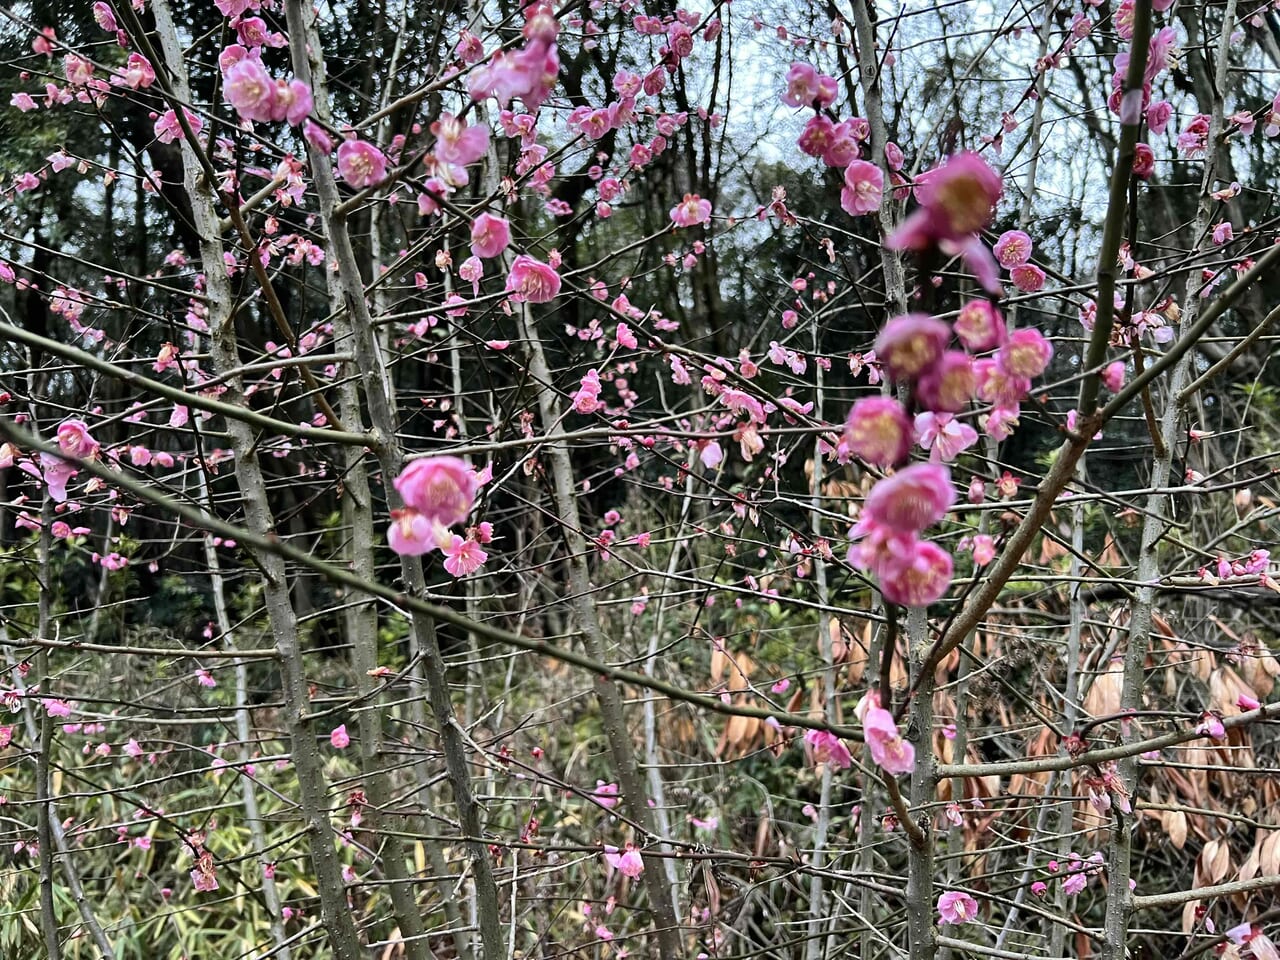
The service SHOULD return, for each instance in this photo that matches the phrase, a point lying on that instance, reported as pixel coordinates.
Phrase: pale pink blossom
(441, 489)
(1073, 883)
(490, 235)
(339, 739)
(910, 344)
(1012, 249)
(878, 431)
(806, 87)
(979, 326)
(956, 201)
(863, 189)
(1026, 354)
(915, 576)
(462, 557)
(999, 387)
(103, 16)
(411, 534)
(913, 498)
(893, 754)
(168, 128)
(361, 164)
(456, 142)
(250, 89)
(691, 211)
(943, 435)
(605, 794)
(629, 863)
(984, 549)
(317, 136)
(826, 747)
(957, 907)
(138, 72)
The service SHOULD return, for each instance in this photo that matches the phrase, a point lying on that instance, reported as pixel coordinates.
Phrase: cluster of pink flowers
(913, 350)
(438, 493)
(258, 96)
(1013, 252)
(73, 439)
(528, 73)
(1255, 563)
(839, 143)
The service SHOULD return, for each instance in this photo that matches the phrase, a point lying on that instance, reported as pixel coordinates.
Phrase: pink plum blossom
(944, 436)
(361, 164)
(1012, 249)
(605, 794)
(532, 280)
(956, 201)
(957, 907)
(1026, 353)
(1158, 116)
(806, 87)
(863, 189)
(204, 880)
(339, 739)
(878, 431)
(462, 557)
(893, 754)
(828, 748)
(980, 326)
(168, 129)
(913, 498)
(138, 73)
(1112, 376)
(490, 235)
(458, 143)
(1027, 277)
(948, 385)
(411, 534)
(984, 549)
(629, 863)
(1144, 162)
(997, 386)
(691, 211)
(441, 489)
(103, 16)
(911, 344)
(250, 89)
(916, 576)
